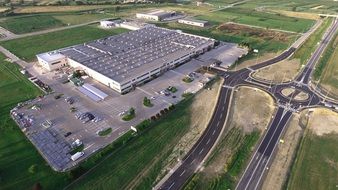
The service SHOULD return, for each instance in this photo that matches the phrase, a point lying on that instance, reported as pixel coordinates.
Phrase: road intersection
(256, 170)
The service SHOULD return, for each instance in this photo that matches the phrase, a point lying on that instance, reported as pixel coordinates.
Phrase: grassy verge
(26, 48)
(310, 45)
(315, 164)
(105, 132)
(326, 59)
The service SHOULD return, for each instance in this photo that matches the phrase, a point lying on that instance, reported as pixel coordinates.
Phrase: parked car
(67, 134)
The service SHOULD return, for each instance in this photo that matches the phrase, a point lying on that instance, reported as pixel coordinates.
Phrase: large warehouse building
(129, 59)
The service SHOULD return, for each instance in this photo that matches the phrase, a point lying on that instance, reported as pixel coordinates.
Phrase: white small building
(110, 23)
(51, 60)
(107, 23)
(193, 22)
(156, 15)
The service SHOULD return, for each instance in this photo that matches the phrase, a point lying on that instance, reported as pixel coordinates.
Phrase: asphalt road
(256, 170)
(195, 156)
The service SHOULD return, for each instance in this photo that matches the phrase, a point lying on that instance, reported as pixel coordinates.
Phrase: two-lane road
(259, 162)
(196, 155)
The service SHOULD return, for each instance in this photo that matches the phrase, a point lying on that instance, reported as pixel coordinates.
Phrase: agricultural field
(30, 23)
(26, 48)
(246, 122)
(33, 23)
(258, 18)
(315, 166)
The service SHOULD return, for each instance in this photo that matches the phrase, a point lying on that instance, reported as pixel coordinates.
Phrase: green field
(26, 48)
(30, 23)
(315, 166)
(17, 154)
(305, 51)
(33, 23)
(258, 18)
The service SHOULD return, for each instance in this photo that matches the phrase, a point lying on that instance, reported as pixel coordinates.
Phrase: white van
(77, 156)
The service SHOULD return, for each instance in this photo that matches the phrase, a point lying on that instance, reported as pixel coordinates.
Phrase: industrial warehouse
(124, 61)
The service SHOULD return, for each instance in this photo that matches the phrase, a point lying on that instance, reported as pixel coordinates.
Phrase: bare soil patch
(280, 72)
(254, 32)
(324, 121)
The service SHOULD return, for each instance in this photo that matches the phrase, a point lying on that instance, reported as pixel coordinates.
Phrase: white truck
(76, 156)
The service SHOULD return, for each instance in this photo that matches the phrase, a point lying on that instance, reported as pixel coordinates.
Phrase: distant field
(30, 23)
(26, 48)
(315, 167)
(257, 18)
(323, 6)
(33, 23)
(48, 9)
(17, 154)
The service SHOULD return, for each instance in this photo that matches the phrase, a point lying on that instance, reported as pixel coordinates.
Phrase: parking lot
(65, 128)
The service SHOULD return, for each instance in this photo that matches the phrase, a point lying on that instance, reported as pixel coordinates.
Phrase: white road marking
(214, 132)
(208, 141)
(182, 173)
(171, 185)
(201, 151)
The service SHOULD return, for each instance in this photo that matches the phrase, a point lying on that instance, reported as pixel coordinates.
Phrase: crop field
(26, 48)
(258, 18)
(264, 42)
(316, 163)
(17, 154)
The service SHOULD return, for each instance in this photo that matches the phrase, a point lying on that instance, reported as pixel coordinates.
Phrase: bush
(32, 169)
(147, 102)
(105, 132)
(130, 115)
(187, 79)
(171, 107)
